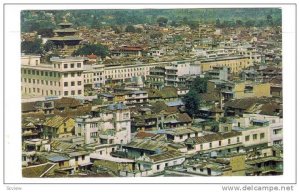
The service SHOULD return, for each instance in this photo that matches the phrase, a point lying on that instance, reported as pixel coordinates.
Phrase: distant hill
(37, 19)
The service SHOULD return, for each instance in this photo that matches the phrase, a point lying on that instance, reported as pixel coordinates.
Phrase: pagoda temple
(65, 38)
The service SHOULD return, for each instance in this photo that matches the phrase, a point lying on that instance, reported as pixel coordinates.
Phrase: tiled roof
(146, 145)
(184, 117)
(37, 170)
(172, 154)
(213, 137)
(56, 121)
(142, 135)
(30, 106)
(66, 102)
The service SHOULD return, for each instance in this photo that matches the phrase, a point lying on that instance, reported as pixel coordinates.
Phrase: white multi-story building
(260, 129)
(94, 75)
(61, 77)
(177, 69)
(110, 125)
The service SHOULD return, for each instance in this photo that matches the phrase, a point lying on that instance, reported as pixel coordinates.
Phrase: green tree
(239, 23)
(156, 35)
(174, 24)
(32, 47)
(218, 23)
(192, 102)
(270, 20)
(162, 21)
(96, 49)
(199, 85)
(46, 32)
(130, 29)
(116, 29)
(49, 46)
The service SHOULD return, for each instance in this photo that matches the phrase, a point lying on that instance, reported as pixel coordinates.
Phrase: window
(73, 83)
(201, 146)
(83, 157)
(277, 131)
(254, 136)
(42, 73)
(65, 66)
(72, 74)
(66, 84)
(247, 138)
(61, 163)
(78, 82)
(157, 167)
(220, 143)
(194, 169)
(79, 92)
(181, 136)
(65, 74)
(25, 71)
(229, 141)
(50, 74)
(36, 62)
(210, 145)
(78, 65)
(72, 65)
(262, 135)
(166, 164)
(76, 158)
(237, 139)
(38, 72)
(46, 73)
(72, 92)
(65, 93)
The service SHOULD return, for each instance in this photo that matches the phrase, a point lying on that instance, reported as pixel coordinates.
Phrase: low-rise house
(181, 134)
(31, 129)
(106, 125)
(233, 165)
(221, 142)
(58, 126)
(138, 148)
(159, 162)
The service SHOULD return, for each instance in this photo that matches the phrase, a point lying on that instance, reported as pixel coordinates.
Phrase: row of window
(41, 73)
(220, 143)
(72, 74)
(126, 70)
(41, 91)
(255, 136)
(42, 82)
(71, 65)
(125, 75)
(72, 83)
(73, 92)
